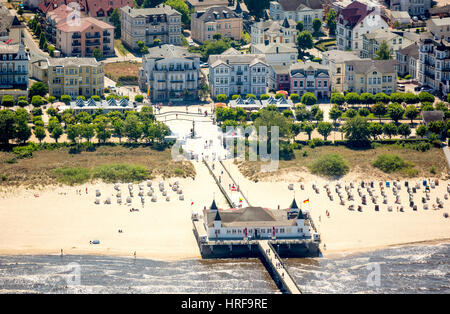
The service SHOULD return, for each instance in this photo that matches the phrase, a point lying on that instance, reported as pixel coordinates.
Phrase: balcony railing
(88, 35)
(76, 44)
(75, 36)
(93, 43)
(105, 33)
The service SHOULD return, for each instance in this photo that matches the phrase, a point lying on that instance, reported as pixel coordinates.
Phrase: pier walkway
(277, 269)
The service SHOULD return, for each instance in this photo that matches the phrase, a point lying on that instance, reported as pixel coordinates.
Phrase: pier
(275, 266)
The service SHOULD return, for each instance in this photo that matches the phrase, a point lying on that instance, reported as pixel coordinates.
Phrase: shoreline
(332, 254)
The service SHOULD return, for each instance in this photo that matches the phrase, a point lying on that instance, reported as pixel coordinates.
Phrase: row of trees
(132, 125)
(353, 98)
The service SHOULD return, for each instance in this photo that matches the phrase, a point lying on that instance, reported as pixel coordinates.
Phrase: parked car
(417, 88)
(426, 89)
(204, 65)
(401, 88)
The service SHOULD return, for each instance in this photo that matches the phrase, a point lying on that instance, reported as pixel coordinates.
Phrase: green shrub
(391, 163)
(330, 165)
(139, 98)
(121, 173)
(221, 97)
(263, 96)
(73, 175)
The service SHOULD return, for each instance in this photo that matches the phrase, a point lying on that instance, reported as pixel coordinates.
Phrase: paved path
(447, 154)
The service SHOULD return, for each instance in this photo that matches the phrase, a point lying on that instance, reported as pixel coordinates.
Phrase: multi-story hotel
(354, 21)
(297, 10)
(371, 76)
(146, 25)
(216, 20)
(310, 77)
(268, 32)
(81, 39)
(171, 72)
(235, 73)
(13, 68)
(75, 77)
(335, 60)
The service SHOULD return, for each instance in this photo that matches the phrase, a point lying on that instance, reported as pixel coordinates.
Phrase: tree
(324, 129)
(309, 99)
(375, 129)
(357, 131)
(114, 19)
(269, 119)
(39, 132)
(57, 132)
(151, 3)
(97, 53)
(7, 126)
(257, 7)
(390, 129)
(426, 97)
(395, 111)
(42, 40)
(398, 97)
(351, 113)
(37, 88)
(300, 26)
(132, 127)
(308, 127)
(337, 98)
(305, 40)
(118, 128)
(302, 114)
(157, 131)
(317, 25)
(383, 52)
(411, 112)
(23, 131)
(295, 97)
(66, 99)
(404, 130)
(335, 113)
(102, 128)
(379, 109)
(437, 127)
(139, 98)
(363, 112)
(7, 101)
(217, 36)
(352, 98)
(73, 132)
(422, 130)
(181, 7)
(331, 22)
(367, 98)
(382, 97)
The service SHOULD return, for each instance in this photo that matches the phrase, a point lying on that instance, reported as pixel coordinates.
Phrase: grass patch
(73, 175)
(121, 173)
(330, 165)
(120, 47)
(122, 71)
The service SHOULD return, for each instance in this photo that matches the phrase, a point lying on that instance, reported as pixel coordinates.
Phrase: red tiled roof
(85, 22)
(91, 6)
(354, 13)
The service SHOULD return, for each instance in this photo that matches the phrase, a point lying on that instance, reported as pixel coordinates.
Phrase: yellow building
(371, 76)
(75, 77)
(335, 60)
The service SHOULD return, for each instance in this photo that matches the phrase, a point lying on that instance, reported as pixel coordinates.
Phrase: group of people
(80, 191)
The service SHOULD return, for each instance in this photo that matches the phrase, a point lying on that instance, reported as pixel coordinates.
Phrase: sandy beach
(59, 218)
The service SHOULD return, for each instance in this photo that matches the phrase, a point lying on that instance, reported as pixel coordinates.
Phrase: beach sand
(347, 231)
(51, 222)
(163, 230)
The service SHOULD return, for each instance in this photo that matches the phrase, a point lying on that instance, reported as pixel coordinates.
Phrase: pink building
(80, 39)
(310, 77)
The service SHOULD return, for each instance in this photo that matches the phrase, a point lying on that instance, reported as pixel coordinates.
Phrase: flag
(240, 200)
(148, 92)
(306, 201)
(192, 203)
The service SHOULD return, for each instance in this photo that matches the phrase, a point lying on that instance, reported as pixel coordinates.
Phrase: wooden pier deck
(277, 269)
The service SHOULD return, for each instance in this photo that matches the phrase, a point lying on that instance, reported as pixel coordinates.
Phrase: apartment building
(99, 9)
(171, 72)
(14, 61)
(81, 39)
(75, 76)
(11, 29)
(439, 28)
(335, 60)
(371, 76)
(310, 77)
(408, 61)
(434, 64)
(216, 20)
(279, 57)
(373, 40)
(202, 5)
(147, 25)
(235, 73)
(413, 7)
(354, 21)
(297, 10)
(62, 13)
(270, 31)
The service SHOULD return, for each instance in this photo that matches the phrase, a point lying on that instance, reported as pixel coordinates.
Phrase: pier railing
(229, 201)
(232, 179)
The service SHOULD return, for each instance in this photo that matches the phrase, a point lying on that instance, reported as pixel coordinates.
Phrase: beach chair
(119, 194)
(390, 208)
(164, 193)
(128, 200)
(291, 186)
(377, 208)
(181, 197)
(167, 199)
(154, 199)
(97, 201)
(180, 191)
(425, 206)
(360, 208)
(150, 193)
(415, 207)
(149, 183)
(97, 193)
(351, 207)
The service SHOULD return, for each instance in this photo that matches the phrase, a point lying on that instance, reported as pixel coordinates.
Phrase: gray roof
(275, 48)
(251, 217)
(73, 61)
(367, 65)
(294, 5)
(381, 34)
(232, 56)
(281, 69)
(430, 116)
(7, 20)
(216, 13)
(4, 48)
(160, 9)
(410, 51)
(302, 67)
(441, 22)
(170, 51)
(340, 56)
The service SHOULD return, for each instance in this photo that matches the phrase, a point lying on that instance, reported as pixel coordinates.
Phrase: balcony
(106, 40)
(76, 36)
(76, 44)
(89, 35)
(176, 81)
(106, 48)
(239, 83)
(17, 72)
(106, 33)
(239, 72)
(92, 43)
(74, 51)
